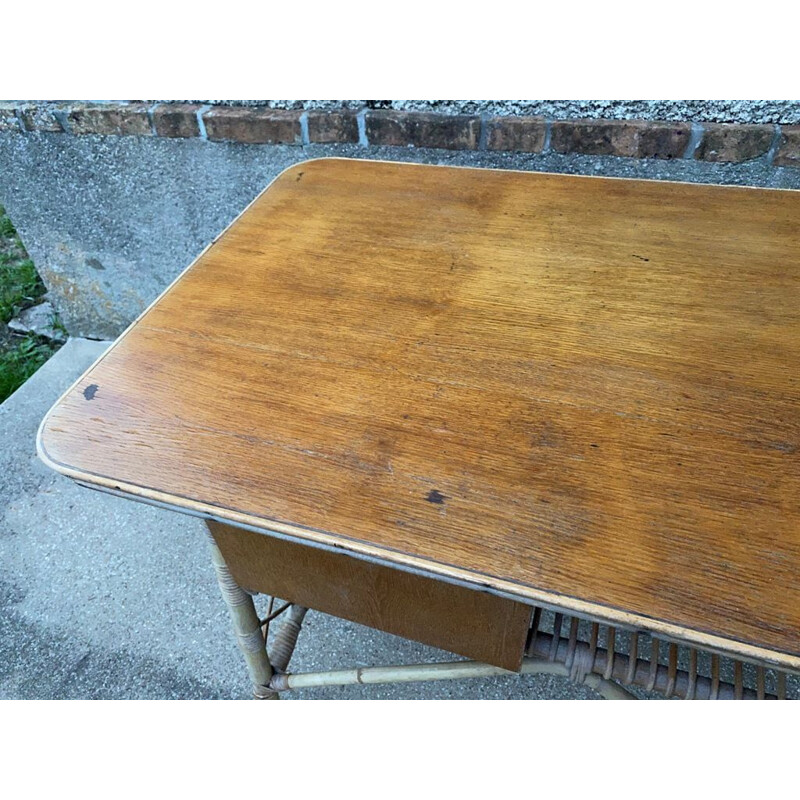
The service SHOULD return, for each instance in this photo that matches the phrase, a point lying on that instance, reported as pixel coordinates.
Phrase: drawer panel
(468, 622)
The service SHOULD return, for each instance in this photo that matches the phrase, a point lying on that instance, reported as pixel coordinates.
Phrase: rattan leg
(246, 626)
(436, 672)
(286, 638)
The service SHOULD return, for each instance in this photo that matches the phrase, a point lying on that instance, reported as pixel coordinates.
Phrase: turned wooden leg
(246, 626)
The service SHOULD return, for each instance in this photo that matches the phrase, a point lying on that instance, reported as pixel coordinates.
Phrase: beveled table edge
(392, 558)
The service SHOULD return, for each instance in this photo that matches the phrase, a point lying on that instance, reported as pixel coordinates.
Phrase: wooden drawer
(468, 622)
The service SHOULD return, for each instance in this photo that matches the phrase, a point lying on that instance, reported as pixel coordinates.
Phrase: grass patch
(20, 287)
(6, 227)
(19, 361)
(20, 284)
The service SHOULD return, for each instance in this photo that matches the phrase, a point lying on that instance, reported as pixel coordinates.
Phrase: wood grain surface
(581, 391)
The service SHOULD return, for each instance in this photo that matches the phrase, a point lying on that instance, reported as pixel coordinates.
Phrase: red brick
(627, 138)
(333, 127)
(423, 129)
(663, 139)
(110, 120)
(594, 137)
(734, 143)
(523, 134)
(788, 154)
(37, 117)
(176, 120)
(253, 125)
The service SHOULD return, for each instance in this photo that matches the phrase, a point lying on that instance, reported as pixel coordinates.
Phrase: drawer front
(468, 622)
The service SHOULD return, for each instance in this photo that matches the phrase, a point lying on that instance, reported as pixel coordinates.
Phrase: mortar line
(18, 118)
(152, 118)
(361, 119)
(483, 135)
(61, 115)
(773, 148)
(548, 131)
(200, 124)
(304, 137)
(695, 137)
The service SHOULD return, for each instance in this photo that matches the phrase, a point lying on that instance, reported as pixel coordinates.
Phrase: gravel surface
(752, 111)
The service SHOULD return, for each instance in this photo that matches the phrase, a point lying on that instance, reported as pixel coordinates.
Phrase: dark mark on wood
(435, 496)
(90, 391)
(641, 258)
(784, 447)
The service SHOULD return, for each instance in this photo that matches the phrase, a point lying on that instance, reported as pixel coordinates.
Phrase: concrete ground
(102, 597)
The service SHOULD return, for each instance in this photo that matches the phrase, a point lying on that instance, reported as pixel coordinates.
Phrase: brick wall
(775, 144)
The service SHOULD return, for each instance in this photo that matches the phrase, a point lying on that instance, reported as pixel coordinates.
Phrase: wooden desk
(574, 392)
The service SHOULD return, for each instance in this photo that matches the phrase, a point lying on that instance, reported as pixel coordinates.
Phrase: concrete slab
(105, 598)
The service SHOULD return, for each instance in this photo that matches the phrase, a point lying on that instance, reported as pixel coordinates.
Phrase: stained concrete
(110, 220)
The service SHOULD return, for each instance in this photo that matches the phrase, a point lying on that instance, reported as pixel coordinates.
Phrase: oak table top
(580, 392)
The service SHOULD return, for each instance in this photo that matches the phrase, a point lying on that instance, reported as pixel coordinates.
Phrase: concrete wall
(111, 220)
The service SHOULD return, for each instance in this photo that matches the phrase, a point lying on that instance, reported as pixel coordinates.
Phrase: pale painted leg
(286, 638)
(246, 626)
(436, 672)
